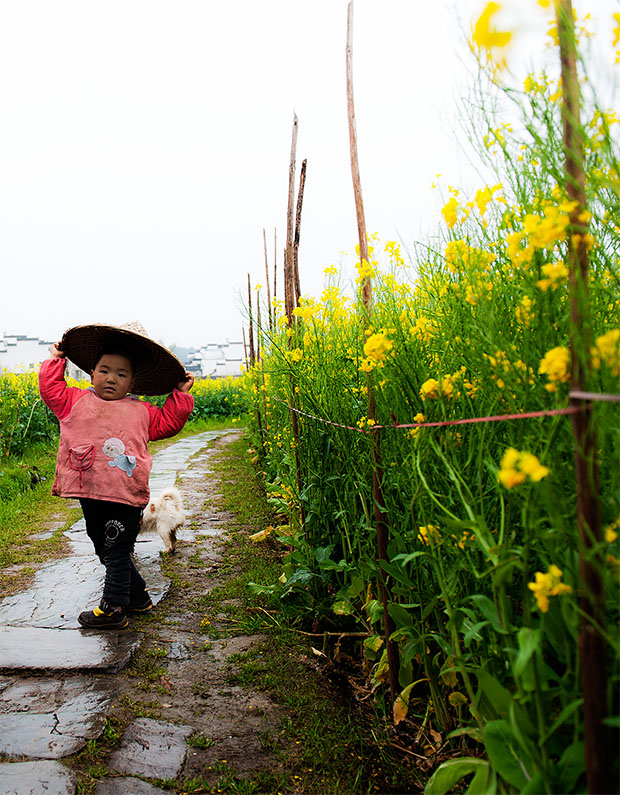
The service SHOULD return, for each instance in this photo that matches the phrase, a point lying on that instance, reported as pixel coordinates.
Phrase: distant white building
(19, 354)
(217, 360)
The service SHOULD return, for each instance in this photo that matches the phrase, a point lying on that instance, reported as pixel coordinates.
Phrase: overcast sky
(144, 146)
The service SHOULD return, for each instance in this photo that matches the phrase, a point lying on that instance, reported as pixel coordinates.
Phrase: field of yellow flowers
(27, 425)
(483, 555)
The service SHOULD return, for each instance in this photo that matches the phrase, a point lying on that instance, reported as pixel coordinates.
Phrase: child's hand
(56, 351)
(187, 384)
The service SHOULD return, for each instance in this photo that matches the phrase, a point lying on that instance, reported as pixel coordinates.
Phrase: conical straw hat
(157, 371)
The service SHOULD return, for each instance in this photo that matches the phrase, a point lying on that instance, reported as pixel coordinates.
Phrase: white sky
(144, 146)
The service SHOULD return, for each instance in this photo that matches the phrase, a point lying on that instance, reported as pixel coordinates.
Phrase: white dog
(164, 515)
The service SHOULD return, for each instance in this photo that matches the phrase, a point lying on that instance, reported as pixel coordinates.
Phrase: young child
(103, 459)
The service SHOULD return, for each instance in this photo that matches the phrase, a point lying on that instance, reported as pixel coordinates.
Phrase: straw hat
(157, 371)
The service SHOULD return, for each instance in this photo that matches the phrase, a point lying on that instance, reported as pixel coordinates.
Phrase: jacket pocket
(81, 458)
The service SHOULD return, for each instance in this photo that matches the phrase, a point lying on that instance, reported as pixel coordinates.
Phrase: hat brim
(157, 370)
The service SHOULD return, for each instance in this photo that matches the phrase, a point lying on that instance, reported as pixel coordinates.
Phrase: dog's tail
(171, 494)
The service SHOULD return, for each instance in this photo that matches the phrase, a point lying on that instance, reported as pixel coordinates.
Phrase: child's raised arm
(55, 393)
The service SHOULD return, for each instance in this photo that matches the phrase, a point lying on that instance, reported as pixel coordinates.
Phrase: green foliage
(482, 560)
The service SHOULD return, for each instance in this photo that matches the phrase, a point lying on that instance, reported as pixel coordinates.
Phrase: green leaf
(483, 783)
(505, 753)
(397, 572)
(473, 632)
(342, 608)
(403, 559)
(401, 616)
(373, 643)
(489, 611)
(451, 772)
(495, 692)
(572, 765)
(470, 731)
(529, 641)
(535, 786)
(566, 713)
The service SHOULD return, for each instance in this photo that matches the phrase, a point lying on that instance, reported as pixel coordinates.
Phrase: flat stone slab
(63, 588)
(33, 648)
(126, 786)
(36, 778)
(49, 719)
(151, 748)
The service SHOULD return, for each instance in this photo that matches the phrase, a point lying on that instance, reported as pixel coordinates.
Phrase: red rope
(496, 418)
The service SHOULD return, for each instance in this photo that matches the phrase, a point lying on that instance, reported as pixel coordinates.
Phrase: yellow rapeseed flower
(554, 272)
(523, 312)
(429, 534)
(450, 212)
(546, 585)
(516, 466)
(377, 346)
(429, 389)
(607, 350)
(484, 196)
(556, 366)
(485, 35)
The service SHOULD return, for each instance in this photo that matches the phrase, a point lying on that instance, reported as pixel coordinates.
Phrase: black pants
(113, 529)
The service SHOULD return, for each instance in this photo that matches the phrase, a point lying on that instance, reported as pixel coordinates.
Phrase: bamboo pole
(259, 420)
(289, 257)
(245, 348)
(251, 324)
(275, 263)
(592, 651)
(269, 308)
(300, 199)
(259, 330)
(377, 464)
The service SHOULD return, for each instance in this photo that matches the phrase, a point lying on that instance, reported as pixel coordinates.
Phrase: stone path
(54, 696)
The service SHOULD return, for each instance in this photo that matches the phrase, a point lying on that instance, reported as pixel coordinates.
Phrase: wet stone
(35, 778)
(167, 463)
(63, 588)
(151, 748)
(32, 648)
(178, 651)
(126, 786)
(49, 719)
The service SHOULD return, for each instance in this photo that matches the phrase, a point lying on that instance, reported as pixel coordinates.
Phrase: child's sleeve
(171, 417)
(55, 393)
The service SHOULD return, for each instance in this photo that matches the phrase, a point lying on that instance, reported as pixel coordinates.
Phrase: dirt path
(182, 672)
(173, 717)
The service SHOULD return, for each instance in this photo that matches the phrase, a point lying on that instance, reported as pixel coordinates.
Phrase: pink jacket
(103, 453)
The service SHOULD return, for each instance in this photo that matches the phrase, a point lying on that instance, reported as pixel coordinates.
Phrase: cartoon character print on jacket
(115, 449)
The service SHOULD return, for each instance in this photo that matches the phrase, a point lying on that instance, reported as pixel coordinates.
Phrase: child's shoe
(141, 603)
(106, 616)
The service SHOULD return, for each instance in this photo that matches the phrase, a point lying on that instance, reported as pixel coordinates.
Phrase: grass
(332, 746)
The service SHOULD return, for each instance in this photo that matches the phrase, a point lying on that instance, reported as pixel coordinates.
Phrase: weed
(200, 741)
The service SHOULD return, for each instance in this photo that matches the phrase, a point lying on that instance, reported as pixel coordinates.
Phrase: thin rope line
(495, 418)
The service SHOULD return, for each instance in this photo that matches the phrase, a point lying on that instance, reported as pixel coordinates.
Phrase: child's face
(112, 377)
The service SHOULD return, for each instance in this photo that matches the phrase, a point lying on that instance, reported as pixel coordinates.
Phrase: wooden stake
(269, 307)
(259, 329)
(251, 329)
(592, 651)
(245, 348)
(300, 198)
(275, 263)
(377, 464)
(355, 169)
(289, 257)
